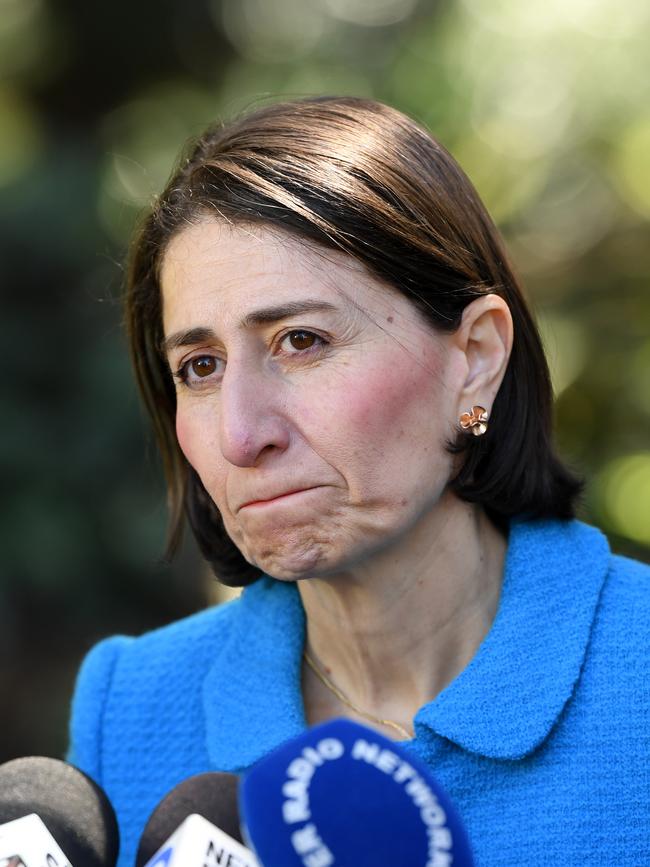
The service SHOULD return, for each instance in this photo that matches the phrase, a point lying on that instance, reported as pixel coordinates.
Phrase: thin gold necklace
(324, 679)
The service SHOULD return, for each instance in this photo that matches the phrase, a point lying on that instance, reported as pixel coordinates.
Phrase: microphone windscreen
(212, 795)
(74, 808)
(342, 794)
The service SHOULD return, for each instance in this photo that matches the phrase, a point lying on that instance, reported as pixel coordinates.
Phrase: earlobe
(485, 336)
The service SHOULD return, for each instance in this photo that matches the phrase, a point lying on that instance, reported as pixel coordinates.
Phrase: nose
(252, 423)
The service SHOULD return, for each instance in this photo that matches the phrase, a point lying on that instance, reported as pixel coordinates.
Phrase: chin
(289, 552)
(290, 562)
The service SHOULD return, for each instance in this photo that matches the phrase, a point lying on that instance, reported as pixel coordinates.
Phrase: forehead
(235, 269)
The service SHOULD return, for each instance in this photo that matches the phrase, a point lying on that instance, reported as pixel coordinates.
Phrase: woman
(352, 400)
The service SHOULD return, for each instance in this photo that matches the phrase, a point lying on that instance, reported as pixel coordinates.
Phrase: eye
(300, 340)
(201, 367)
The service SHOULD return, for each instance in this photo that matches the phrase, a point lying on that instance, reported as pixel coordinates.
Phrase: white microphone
(26, 842)
(199, 824)
(199, 843)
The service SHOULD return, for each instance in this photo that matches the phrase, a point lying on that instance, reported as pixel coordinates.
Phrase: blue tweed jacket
(543, 741)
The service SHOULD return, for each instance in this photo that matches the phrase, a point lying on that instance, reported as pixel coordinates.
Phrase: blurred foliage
(546, 106)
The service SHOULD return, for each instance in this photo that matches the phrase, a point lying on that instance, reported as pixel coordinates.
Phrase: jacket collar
(503, 705)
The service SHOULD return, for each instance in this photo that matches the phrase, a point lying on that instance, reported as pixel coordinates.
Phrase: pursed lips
(261, 500)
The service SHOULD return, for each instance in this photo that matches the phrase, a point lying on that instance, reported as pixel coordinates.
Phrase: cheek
(186, 436)
(403, 400)
(193, 436)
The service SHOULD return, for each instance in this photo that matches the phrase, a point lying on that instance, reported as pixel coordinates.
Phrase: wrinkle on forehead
(277, 258)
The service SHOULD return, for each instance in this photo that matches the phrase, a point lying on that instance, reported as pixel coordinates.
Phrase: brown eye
(301, 339)
(204, 365)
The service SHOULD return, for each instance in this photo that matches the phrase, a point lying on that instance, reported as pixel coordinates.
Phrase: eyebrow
(190, 337)
(263, 316)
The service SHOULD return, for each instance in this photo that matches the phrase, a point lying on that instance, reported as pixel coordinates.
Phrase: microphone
(53, 815)
(197, 823)
(342, 794)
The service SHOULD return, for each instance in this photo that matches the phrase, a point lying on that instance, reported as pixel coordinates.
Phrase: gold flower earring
(475, 420)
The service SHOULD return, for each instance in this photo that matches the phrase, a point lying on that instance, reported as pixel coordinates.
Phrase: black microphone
(197, 823)
(53, 815)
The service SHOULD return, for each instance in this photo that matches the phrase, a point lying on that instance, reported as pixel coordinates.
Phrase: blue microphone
(342, 794)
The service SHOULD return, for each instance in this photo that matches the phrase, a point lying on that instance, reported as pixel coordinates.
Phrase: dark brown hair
(358, 176)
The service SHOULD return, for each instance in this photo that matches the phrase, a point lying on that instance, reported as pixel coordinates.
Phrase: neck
(392, 632)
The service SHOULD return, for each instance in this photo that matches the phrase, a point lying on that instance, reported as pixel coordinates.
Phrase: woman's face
(313, 401)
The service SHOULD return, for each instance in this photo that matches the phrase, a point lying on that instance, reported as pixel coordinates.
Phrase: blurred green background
(546, 106)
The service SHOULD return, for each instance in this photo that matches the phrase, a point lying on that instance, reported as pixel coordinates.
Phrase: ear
(485, 339)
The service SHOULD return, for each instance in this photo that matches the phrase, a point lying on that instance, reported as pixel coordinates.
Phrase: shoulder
(631, 576)
(616, 675)
(126, 675)
(193, 636)
(133, 692)
(624, 612)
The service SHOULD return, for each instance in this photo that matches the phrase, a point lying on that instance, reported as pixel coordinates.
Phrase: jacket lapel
(252, 695)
